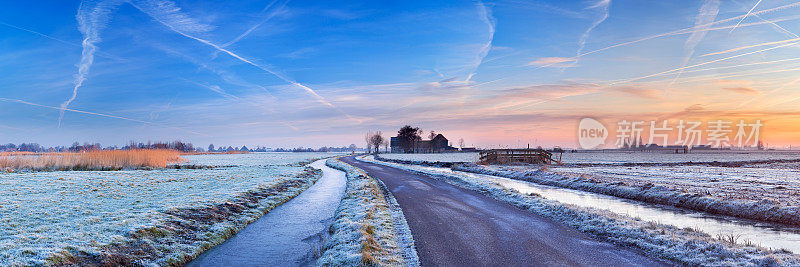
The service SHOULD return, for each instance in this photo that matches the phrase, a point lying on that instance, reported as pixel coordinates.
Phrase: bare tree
(368, 140)
(431, 135)
(460, 143)
(376, 140)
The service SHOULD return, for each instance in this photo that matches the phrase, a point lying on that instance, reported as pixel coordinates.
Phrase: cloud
(603, 6)
(446, 86)
(162, 12)
(707, 14)
(279, 10)
(551, 61)
(537, 94)
(639, 92)
(743, 90)
(92, 18)
(487, 18)
(299, 53)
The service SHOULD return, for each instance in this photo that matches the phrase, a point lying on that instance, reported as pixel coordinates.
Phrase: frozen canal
(765, 234)
(288, 235)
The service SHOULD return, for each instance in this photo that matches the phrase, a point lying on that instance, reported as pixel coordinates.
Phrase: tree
(408, 136)
(368, 140)
(431, 135)
(211, 148)
(460, 143)
(376, 140)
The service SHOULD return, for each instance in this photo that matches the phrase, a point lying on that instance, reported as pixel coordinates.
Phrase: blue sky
(312, 73)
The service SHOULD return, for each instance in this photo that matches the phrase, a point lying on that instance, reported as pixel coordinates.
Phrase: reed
(96, 160)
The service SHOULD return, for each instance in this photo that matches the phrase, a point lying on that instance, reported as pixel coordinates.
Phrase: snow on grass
(766, 183)
(682, 246)
(369, 227)
(622, 157)
(618, 157)
(162, 215)
(647, 190)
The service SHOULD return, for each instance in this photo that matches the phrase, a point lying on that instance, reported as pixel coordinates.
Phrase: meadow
(47, 213)
(89, 160)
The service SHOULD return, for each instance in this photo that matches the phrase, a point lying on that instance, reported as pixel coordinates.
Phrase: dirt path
(453, 226)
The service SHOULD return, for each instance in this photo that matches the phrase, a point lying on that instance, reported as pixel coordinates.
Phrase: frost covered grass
(619, 157)
(732, 195)
(149, 217)
(682, 246)
(627, 157)
(766, 184)
(369, 228)
(99, 160)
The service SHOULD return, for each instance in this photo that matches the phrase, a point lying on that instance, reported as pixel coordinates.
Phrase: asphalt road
(453, 226)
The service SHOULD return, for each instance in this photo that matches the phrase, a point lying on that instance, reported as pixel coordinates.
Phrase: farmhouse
(436, 145)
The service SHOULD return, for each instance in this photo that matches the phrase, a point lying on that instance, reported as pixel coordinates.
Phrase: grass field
(48, 212)
(89, 160)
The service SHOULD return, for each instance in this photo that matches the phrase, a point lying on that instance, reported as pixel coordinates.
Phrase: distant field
(45, 212)
(619, 157)
(441, 157)
(695, 156)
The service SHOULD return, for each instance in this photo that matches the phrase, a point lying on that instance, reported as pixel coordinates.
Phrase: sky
(312, 73)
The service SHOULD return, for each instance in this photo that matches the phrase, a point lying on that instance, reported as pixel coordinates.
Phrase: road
(453, 226)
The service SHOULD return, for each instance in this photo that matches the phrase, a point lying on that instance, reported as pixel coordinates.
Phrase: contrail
(488, 19)
(603, 5)
(776, 26)
(267, 18)
(40, 34)
(795, 68)
(56, 39)
(91, 21)
(684, 31)
(152, 10)
(750, 46)
(677, 32)
(704, 63)
(745, 15)
(716, 68)
(11, 100)
(707, 14)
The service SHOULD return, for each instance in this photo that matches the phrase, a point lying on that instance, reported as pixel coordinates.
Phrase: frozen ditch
(288, 235)
(764, 234)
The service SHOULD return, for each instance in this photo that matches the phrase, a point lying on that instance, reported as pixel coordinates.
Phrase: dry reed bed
(96, 160)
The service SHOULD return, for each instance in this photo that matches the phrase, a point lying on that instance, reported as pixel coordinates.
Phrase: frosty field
(665, 157)
(47, 212)
(610, 158)
(434, 157)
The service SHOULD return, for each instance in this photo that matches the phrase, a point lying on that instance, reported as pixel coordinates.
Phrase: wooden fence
(507, 156)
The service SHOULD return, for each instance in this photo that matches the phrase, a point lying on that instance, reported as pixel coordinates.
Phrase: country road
(453, 226)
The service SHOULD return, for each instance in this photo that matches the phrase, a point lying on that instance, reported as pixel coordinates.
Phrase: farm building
(436, 145)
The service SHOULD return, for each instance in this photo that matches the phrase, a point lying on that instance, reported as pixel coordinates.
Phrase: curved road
(453, 226)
